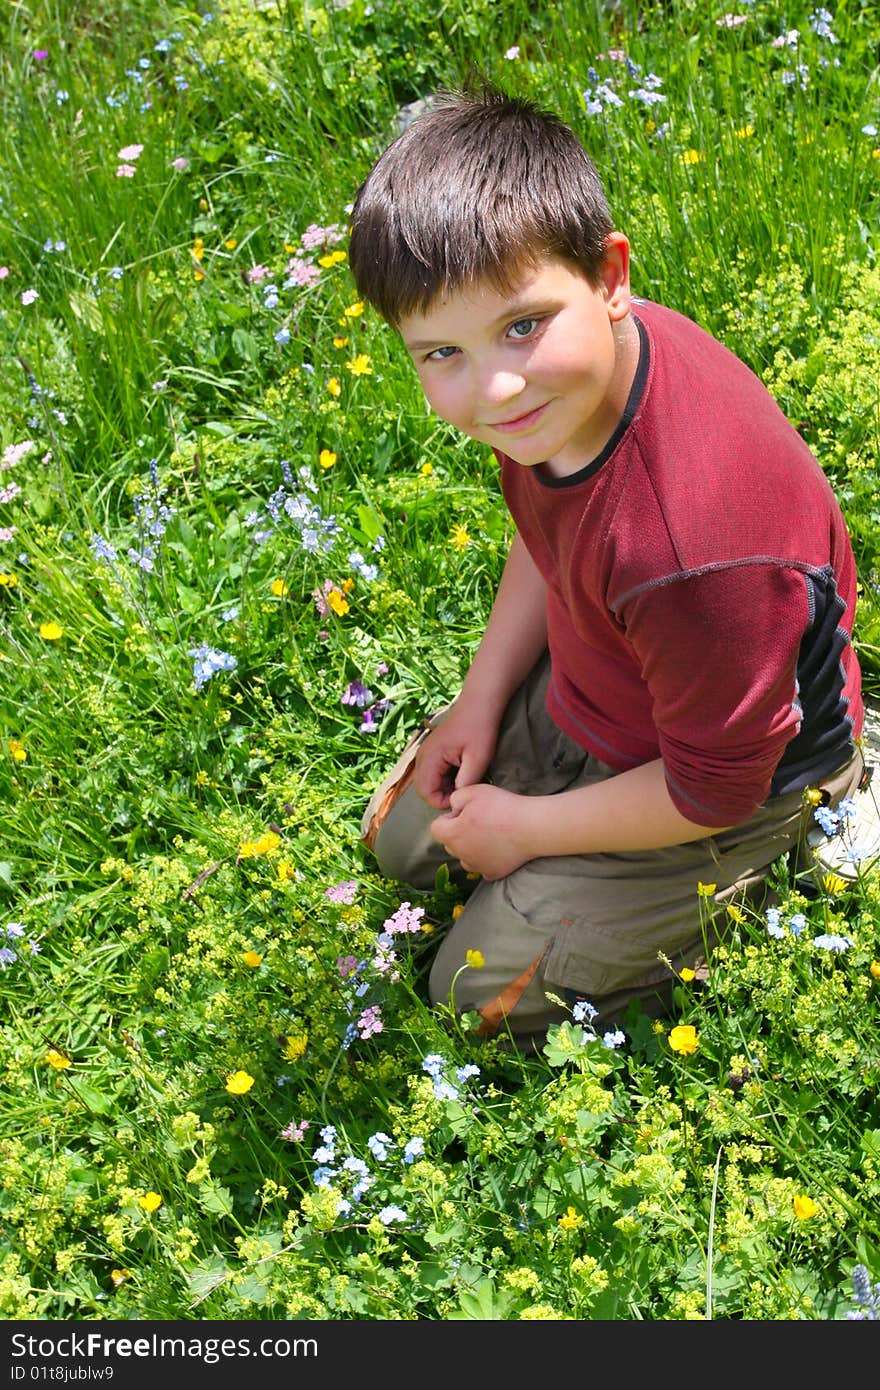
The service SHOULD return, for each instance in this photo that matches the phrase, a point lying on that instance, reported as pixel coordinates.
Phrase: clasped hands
(484, 827)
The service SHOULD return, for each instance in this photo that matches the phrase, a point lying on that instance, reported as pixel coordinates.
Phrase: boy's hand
(455, 755)
(486, 829)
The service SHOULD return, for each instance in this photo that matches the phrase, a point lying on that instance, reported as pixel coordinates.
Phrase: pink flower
(294, 1132)
(257, 274)
(180, 164)
(370, 1022)
(4, 271)
(343, 892)
(28, 296)
(512, 53)
(346, 965)
(126, 171)
(130, 152)
(40, 54)
(405, 919)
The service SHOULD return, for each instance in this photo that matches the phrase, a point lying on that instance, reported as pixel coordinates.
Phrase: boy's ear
(615, 276)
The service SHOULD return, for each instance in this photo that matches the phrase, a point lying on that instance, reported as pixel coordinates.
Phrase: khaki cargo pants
(580, 926)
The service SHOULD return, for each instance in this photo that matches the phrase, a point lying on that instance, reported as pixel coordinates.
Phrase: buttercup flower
(684, 1038)
(278, 588)
(687, 974)
(804, 1207)
(326, 458)
(333, 386)
(360, 365)
(707, 890)
(18, 750)
(50, 632)
(252, 958)
(59, 1060)
(238, 1083)
(475, 959)
(460, 537)
(571, 1220)
(151, 1201)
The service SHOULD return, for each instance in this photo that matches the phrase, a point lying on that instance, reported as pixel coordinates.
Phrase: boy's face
(541, 374)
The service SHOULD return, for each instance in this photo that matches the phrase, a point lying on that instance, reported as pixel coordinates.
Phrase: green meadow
(240, 561)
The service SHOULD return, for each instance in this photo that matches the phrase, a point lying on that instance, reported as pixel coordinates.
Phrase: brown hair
(478, 187)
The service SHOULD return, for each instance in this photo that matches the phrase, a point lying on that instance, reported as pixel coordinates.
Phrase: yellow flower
(355, 310)
(658, 1026)
(744, 132)
(833, 883)
(295, 1046)
(198, 249)
(457, 911)
(339, 341)
(735, 913)
(18, 750)
(347, 586)
(650, 127)
(278, 588)
(286, 871)
(332, 258)
(360, 365)
(238, 1083)
(692, 157)
(50, 632)
(264, 844)
(684, 1038)
(326, 458)
(8, 581)
(151, 1201)
(59, 1060)
(333, 386)
(813, 796)
(203, 205)
(339, 605)
(875, 969)
(198, 275)
(804, 1207)
(460, 537)
(707, 890)
(426, 470)
(201, 778)
(119, 1276)
(687, 974)
(289, 247)
(571, 1220)
(475, 959)
(230, 243)
(252, 958)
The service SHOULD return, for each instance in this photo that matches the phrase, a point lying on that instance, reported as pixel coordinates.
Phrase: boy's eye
(523, 328)
(441, 354)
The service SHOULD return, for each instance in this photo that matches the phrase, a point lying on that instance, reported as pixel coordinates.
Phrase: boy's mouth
(520, 422)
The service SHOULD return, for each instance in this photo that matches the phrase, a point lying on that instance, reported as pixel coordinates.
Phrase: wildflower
(866, 1296)
(125, 171)
(687, 974)
(294, 1133)
(180, 164)
(459, 537)
(731, 21)
(357, 694)
(343, 892)
(278, 588)
(238, 1083)
(360, 365)
(804, 1207)
(252, 958)
(692, 157)
(59, 1060)
(40, 54)
(707, 890)
(354, 310)
(285, 871)
(130, 152)
(14, 453)
(346, 965)
(50, 632)
(28, 296)
(119, 1276)
(8, 581)
(332, 258)
(684, 1038)
(151, 1201)
(813, 796)
(571, 1220)
(875, 969)
(282, 337)
(15, 929)
(257, 274)
(743, 133)
(405, 920)
(475, 959)
(207, 661)
(339, 341)
(18, 750)
(833, 883)
(266, 843)
(370, 1021)
(832, 942)
(333, 386)
(392, 1213)
(326, 458)
(338, 603)
(413, 1148)
(295, 1046)
(426, 470)
(583, 1011)
(614, 1039)
(774, 925)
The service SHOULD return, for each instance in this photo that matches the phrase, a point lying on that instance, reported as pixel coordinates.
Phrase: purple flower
(343, 892)
(40, 54)
(357, 694)
(405, 919)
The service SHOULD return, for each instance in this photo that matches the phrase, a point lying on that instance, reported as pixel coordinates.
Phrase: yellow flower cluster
(266, 843)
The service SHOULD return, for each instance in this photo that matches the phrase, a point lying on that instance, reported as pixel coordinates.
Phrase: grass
(223, 502)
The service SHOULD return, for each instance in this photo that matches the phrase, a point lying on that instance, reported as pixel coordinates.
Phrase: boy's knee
(402, 859)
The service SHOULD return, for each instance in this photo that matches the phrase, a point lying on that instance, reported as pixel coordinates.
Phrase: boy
(668, 665)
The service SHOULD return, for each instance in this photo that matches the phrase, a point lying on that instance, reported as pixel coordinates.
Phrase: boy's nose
(497, 386)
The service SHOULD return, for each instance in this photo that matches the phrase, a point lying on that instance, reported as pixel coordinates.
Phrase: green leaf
(216, 1199)
(246, 345)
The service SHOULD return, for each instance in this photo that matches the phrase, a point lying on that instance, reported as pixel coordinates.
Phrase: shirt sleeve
(718, 649)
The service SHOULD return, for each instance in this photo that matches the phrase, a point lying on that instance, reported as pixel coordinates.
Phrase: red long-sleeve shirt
(701, 585)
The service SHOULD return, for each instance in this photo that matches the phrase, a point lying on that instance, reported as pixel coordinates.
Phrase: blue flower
(7, 957)
(615, 1039)
(378, 1145)
(413, 1148)
(207, 661)
(832, 942)
(392, 1213)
